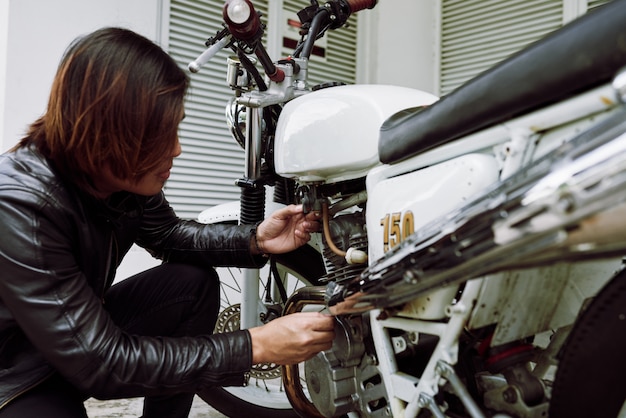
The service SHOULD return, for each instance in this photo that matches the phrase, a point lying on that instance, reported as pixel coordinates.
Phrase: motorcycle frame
(407, 394)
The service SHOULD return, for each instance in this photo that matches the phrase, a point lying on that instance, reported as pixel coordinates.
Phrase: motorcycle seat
(581, 55)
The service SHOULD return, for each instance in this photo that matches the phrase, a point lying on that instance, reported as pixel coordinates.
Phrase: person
(82, 186)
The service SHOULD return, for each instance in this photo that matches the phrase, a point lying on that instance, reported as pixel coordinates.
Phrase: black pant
(169, 300)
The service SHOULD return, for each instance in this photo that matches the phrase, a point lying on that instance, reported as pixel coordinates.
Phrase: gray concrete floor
(131, 408)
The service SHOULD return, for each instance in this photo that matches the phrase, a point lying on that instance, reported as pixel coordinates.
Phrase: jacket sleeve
(170, 238)
(45, 293)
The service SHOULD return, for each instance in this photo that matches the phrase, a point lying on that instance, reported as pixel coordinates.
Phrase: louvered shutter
(211, 161)
(204, 175)
(476, 34)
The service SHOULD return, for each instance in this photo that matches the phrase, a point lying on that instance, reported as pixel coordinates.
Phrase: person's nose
(177, 148)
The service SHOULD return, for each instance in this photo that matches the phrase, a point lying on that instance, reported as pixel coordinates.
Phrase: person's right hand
(293, 338)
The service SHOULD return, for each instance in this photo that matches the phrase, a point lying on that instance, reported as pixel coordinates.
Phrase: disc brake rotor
(229, 320)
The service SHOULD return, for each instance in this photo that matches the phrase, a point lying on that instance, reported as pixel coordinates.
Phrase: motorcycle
(472, 244)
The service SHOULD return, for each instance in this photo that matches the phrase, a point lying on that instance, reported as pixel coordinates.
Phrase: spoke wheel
(264, 396)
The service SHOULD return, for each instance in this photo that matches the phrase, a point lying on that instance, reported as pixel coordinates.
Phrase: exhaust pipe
(302, 297)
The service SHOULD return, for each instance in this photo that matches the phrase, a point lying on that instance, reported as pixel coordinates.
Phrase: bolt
(509, 395)
(565, 203)
(410, 277)
(371, 360)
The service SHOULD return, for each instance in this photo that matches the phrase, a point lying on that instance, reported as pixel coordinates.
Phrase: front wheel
(590, 378)
(264, 396)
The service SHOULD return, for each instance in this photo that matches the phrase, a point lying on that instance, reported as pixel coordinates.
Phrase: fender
(225, 212)
(229, 212)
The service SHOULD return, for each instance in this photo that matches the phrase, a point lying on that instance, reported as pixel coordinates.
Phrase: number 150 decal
(397, 227)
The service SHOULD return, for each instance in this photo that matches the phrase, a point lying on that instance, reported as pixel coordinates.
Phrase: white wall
(400, 43)
(34, 36)
(4, 35)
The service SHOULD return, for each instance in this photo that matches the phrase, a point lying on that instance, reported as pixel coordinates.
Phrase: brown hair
(116, 100)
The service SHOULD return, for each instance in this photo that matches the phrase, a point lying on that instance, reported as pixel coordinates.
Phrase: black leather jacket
(59, 249)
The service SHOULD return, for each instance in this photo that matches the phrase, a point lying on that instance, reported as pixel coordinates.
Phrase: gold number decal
(396, 228)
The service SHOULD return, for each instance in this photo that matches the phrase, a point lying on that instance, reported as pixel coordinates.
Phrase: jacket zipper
(20, 393)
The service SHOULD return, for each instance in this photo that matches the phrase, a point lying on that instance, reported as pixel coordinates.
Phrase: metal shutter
(204, 175)
(476, 34)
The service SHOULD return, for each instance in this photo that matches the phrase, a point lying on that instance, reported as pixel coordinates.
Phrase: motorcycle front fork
(252, 212)
(249, 299)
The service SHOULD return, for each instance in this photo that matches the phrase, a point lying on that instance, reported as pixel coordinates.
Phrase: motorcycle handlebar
(194, 66)
(358, 5)
(244, 23)
(335, 14)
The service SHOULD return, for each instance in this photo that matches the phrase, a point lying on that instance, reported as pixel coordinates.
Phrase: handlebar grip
(358, 5)
(242, 20)
(194, 66)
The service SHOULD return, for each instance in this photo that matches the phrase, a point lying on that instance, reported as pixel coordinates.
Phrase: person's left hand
(285, 230)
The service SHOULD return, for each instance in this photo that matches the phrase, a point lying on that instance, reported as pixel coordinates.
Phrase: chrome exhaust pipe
(313, 295)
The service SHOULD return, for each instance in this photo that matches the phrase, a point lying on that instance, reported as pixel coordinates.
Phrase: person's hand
(285, 230)
(292, 338)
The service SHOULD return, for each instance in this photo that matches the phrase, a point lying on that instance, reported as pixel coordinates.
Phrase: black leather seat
(583, 54)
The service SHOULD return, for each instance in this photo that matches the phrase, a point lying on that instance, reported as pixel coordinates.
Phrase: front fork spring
(252, 205)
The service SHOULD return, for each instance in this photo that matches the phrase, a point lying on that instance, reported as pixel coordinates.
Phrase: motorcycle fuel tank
(331, 134)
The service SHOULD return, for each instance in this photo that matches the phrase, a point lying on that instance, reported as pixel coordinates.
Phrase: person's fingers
(291, 210)
(325, 323)
(321, 344)
(302, 235)
(296, 209)
(293, 338)
(317, 320)
(314, 215)
(311, 226)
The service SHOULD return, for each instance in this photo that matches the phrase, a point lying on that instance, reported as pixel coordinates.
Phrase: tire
(589, 380)
(264, 396)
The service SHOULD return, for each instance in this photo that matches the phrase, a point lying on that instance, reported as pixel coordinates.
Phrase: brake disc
(229, 320)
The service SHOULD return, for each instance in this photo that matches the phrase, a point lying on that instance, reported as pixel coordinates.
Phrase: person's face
(148, 185)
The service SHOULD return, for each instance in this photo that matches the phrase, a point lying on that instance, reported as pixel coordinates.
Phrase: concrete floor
(131, 408)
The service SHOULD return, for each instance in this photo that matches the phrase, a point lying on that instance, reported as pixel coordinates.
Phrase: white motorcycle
(472, 245)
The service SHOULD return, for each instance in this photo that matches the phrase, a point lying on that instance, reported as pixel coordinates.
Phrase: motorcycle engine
(346, 231)
(346, 378)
